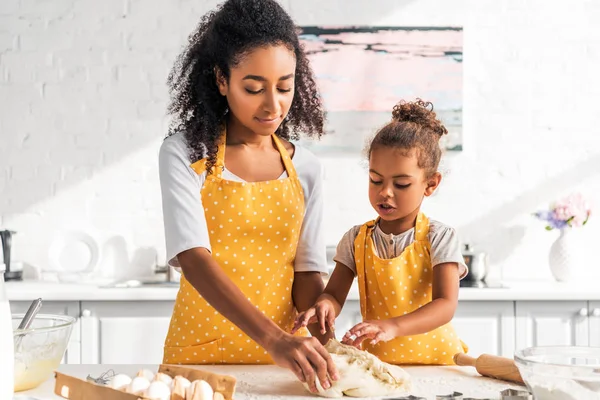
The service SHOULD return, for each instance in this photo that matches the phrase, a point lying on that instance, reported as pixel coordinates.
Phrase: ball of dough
(362, 374)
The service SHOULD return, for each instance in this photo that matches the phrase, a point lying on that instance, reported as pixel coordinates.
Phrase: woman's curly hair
(219, 42)
(414, 125)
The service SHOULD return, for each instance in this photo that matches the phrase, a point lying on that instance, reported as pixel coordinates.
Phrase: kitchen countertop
(269, 382)
(511, 291)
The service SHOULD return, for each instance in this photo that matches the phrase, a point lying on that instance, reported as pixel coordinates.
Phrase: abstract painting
(362, 72)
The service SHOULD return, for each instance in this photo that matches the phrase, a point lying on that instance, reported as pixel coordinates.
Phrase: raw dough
(362, 374)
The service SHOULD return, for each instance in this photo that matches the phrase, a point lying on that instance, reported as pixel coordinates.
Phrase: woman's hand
(306, 358)
(323, 312)
(376, 330)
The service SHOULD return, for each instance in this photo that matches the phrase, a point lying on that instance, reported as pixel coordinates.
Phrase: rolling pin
(491, 366)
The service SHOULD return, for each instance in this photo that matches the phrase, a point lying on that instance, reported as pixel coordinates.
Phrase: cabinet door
(124, 332)
(349, 317)
(547, 323)
(70, 308)
(594, 319)
(486, 327)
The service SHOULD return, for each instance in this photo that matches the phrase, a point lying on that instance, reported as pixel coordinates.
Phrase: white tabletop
(274, 383)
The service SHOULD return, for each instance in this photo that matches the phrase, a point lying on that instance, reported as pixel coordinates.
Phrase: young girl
(408, 266)
(242, 206)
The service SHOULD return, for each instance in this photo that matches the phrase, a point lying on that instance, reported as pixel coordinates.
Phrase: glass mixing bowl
(41, 348)
(561, 372)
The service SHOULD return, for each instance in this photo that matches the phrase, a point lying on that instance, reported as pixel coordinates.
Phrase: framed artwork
(362, 72)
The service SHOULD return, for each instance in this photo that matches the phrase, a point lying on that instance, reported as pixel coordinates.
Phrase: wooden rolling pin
(491, 366)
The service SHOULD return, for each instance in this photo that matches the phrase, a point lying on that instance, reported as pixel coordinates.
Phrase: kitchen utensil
(453, 396)
(9, 275)
(557, 372)
(508, 394)
(512, 394)
(477, 262)
(42, 348)
(102, 379)
(491, 366)
(34, 308)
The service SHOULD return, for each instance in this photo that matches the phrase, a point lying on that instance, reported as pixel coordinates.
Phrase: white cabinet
(71, 308)
(486, 327)
(541, 323)
(594, 318)
(124, 332)
(349, 317)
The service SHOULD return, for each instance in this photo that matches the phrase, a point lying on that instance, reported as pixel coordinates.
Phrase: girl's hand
(323, 312)
(376, 330)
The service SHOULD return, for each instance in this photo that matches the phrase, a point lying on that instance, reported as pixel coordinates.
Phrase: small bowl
(41, 349)
(561, 372)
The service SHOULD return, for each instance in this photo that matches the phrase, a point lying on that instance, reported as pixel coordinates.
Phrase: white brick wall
(82, 100)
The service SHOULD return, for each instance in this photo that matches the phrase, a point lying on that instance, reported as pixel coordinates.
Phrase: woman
(242, 206)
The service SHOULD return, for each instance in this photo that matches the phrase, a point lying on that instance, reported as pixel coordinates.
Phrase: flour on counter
(269, 382)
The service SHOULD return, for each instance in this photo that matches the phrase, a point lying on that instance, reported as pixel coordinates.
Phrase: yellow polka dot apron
(393, 287)
(254, 229)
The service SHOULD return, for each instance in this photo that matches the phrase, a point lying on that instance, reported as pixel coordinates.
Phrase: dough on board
(362, 374)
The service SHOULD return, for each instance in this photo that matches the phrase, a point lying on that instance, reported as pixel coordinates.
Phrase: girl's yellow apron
(398, 286)
(254, 229)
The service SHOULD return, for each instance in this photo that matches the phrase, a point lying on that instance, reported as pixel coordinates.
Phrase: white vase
(567, 259)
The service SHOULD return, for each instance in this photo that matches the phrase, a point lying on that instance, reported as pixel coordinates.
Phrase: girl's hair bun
(421, 113)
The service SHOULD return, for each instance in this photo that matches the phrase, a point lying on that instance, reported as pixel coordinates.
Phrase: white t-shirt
(183, 213)
(445, 246)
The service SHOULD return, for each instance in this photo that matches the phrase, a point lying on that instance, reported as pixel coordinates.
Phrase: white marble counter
(511, 291)
(272, 383)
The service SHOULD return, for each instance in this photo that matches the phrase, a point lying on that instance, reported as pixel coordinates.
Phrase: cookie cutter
(508, 394)
(453, 396)
(410, 397)
(514, 394)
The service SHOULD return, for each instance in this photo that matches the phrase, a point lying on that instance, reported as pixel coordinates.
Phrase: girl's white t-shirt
(183, 213)
(445, 246)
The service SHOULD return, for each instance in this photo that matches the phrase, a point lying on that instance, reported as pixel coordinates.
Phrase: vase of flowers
(567, 254)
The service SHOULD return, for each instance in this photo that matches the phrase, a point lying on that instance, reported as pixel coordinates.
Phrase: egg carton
(73, 388)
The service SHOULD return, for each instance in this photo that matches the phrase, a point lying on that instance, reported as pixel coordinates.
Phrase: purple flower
(572, 211)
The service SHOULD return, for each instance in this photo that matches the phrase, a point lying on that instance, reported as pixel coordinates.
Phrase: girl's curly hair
(219, 42)
(414, 125)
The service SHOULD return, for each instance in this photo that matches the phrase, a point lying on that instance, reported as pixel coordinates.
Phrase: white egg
(158, 391)
(119, 381)
(138, 385)
(218, 396)
(200, 390)
(163, 378)
(179, 387)
(146, 374)
(181, 381)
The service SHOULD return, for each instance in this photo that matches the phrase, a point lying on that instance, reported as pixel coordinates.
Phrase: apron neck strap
(285, 157)
(360, 254)
(421, 227)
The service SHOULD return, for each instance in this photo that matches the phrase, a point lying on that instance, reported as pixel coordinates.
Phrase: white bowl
(41, 349)
(561, 372)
